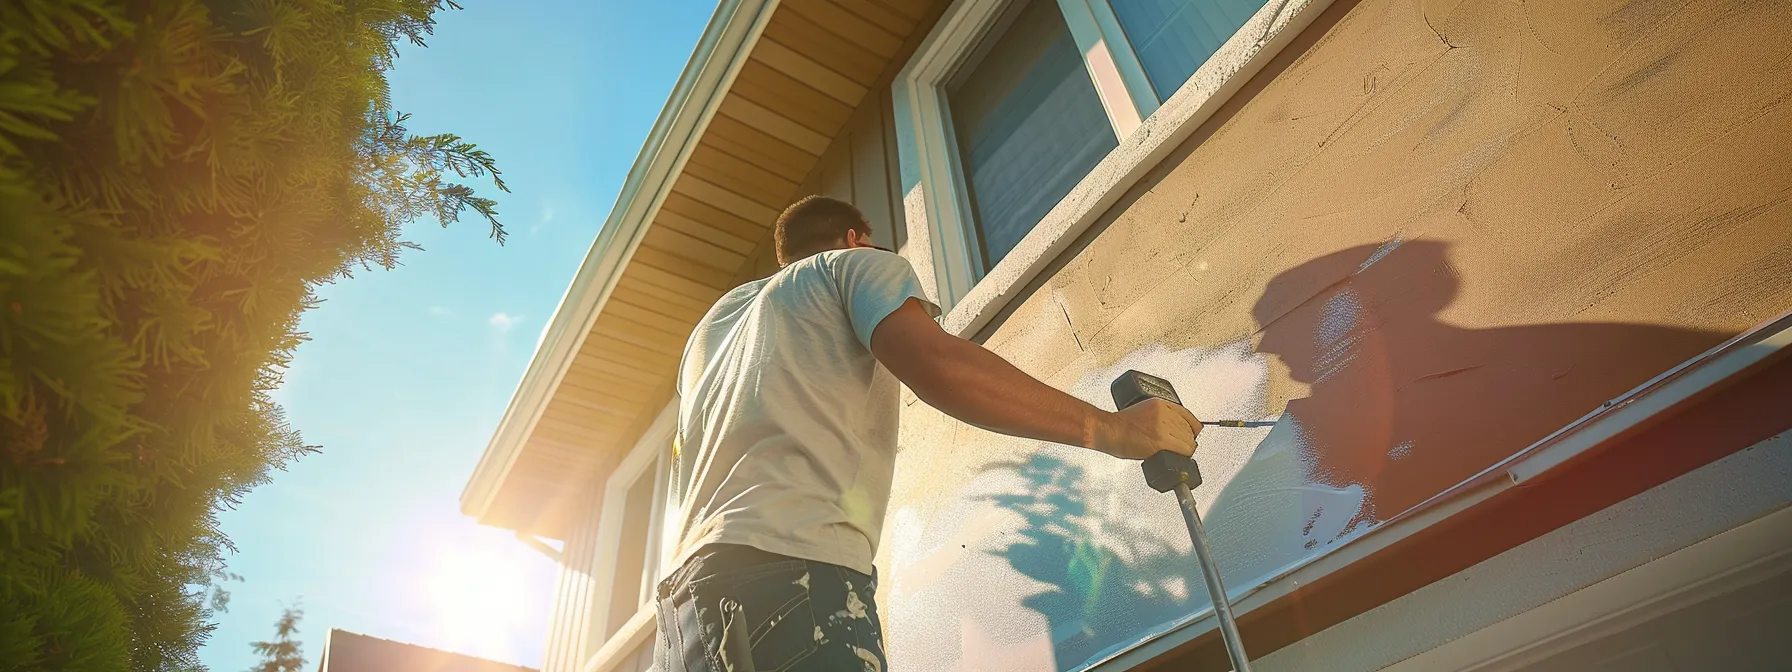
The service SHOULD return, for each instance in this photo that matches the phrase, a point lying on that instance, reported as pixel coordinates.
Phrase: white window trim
(647, 453)
(1131, 69)
(1111, 63)
(935, 203)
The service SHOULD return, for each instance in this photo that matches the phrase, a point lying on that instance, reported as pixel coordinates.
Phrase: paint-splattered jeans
(739, 609)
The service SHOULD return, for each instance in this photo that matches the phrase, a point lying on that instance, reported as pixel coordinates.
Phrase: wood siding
(574, 591)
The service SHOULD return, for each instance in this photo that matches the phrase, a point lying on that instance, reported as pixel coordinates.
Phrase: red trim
(1696, 433)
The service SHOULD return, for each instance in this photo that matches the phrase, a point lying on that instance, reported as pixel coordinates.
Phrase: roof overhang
(718, 57)
(768, 91)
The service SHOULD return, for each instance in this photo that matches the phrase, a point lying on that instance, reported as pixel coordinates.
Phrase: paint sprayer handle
(1165, 470)
(1170, 472)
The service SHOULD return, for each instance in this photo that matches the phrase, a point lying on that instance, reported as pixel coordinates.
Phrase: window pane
(1029, 126)
(1174, 37)
(631, 554)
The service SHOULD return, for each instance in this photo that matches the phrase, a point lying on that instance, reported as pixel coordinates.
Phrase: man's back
(787, 433)
(787, 423)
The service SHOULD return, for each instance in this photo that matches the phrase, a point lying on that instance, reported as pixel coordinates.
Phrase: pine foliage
(177, 177)
(282, 654)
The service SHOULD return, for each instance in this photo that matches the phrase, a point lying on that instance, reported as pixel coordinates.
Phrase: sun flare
(478, 599)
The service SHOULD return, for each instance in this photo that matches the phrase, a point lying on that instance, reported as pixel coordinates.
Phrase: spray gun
(1167, 472)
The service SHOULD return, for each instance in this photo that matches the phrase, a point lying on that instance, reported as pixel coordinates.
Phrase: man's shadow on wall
(1402, 406)
(1406, 405)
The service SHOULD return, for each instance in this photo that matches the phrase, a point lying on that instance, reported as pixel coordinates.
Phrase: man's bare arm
(970, 383)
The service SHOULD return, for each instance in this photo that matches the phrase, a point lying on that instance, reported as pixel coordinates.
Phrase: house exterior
(1510, 278)
(346, 651)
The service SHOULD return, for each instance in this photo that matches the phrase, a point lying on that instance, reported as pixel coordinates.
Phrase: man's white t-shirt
(786, 422)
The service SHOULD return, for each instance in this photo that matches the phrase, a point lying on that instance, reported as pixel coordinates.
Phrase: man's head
(817, 224)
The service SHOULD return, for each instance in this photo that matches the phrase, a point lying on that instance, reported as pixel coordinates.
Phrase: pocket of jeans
(774, 602)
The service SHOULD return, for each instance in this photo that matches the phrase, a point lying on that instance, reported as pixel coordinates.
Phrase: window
(1173, 37)
(1008, 110)
(1029, 125)
(631, 542)
(628, 592)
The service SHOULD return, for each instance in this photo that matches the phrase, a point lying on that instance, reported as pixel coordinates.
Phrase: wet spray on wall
(1035, 556)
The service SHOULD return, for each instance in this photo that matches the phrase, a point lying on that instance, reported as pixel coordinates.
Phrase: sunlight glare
(478, 600)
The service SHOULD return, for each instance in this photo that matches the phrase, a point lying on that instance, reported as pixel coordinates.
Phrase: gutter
(723, 49)
(1692, 380)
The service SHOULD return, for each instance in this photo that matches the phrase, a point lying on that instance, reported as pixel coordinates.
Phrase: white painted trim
(928, 146)
(1126, 59)
(629, 637)
(1103, 66)
(614, 513)
(720, 53)
(928, 168)
(1745, 555)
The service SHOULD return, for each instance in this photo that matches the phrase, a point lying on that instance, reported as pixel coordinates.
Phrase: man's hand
(1141, 430)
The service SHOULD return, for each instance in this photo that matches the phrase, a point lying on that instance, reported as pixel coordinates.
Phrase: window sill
(627, 640)
(1236, 62)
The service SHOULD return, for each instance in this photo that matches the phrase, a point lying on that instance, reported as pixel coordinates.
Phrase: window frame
(935, 202)
(652, 451)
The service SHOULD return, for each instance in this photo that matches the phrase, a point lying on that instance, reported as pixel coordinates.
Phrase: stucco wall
(1427, 235)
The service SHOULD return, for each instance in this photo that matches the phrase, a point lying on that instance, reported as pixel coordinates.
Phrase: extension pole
(1169, 472)
(1210, 570)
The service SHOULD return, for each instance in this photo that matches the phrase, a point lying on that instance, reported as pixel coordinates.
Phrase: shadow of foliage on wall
(1108, 584)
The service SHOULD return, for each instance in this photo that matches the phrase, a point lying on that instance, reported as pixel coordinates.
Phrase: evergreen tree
(282, 654)
(177, 177)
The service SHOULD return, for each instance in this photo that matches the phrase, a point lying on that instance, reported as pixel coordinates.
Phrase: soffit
(805, 75)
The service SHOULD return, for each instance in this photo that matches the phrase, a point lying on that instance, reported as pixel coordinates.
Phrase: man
(787, 434)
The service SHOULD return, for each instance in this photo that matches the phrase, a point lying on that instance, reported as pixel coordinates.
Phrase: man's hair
(813, 224)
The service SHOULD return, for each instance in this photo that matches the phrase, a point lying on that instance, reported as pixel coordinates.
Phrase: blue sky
(408, 371)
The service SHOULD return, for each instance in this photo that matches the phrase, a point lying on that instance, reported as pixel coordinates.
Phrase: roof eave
(732, 31)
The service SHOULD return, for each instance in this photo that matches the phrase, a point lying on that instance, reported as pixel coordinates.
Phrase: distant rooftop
(346, 651)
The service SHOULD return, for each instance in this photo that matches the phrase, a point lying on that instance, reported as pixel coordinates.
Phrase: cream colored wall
(1490, 214)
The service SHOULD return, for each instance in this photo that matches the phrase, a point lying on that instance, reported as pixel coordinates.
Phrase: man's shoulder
(860, 255)
(731, 299)
(745, 290)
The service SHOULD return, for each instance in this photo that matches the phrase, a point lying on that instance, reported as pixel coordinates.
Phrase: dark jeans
(739, 609)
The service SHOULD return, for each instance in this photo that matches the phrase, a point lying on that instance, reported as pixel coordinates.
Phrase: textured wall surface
(1430, 238)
